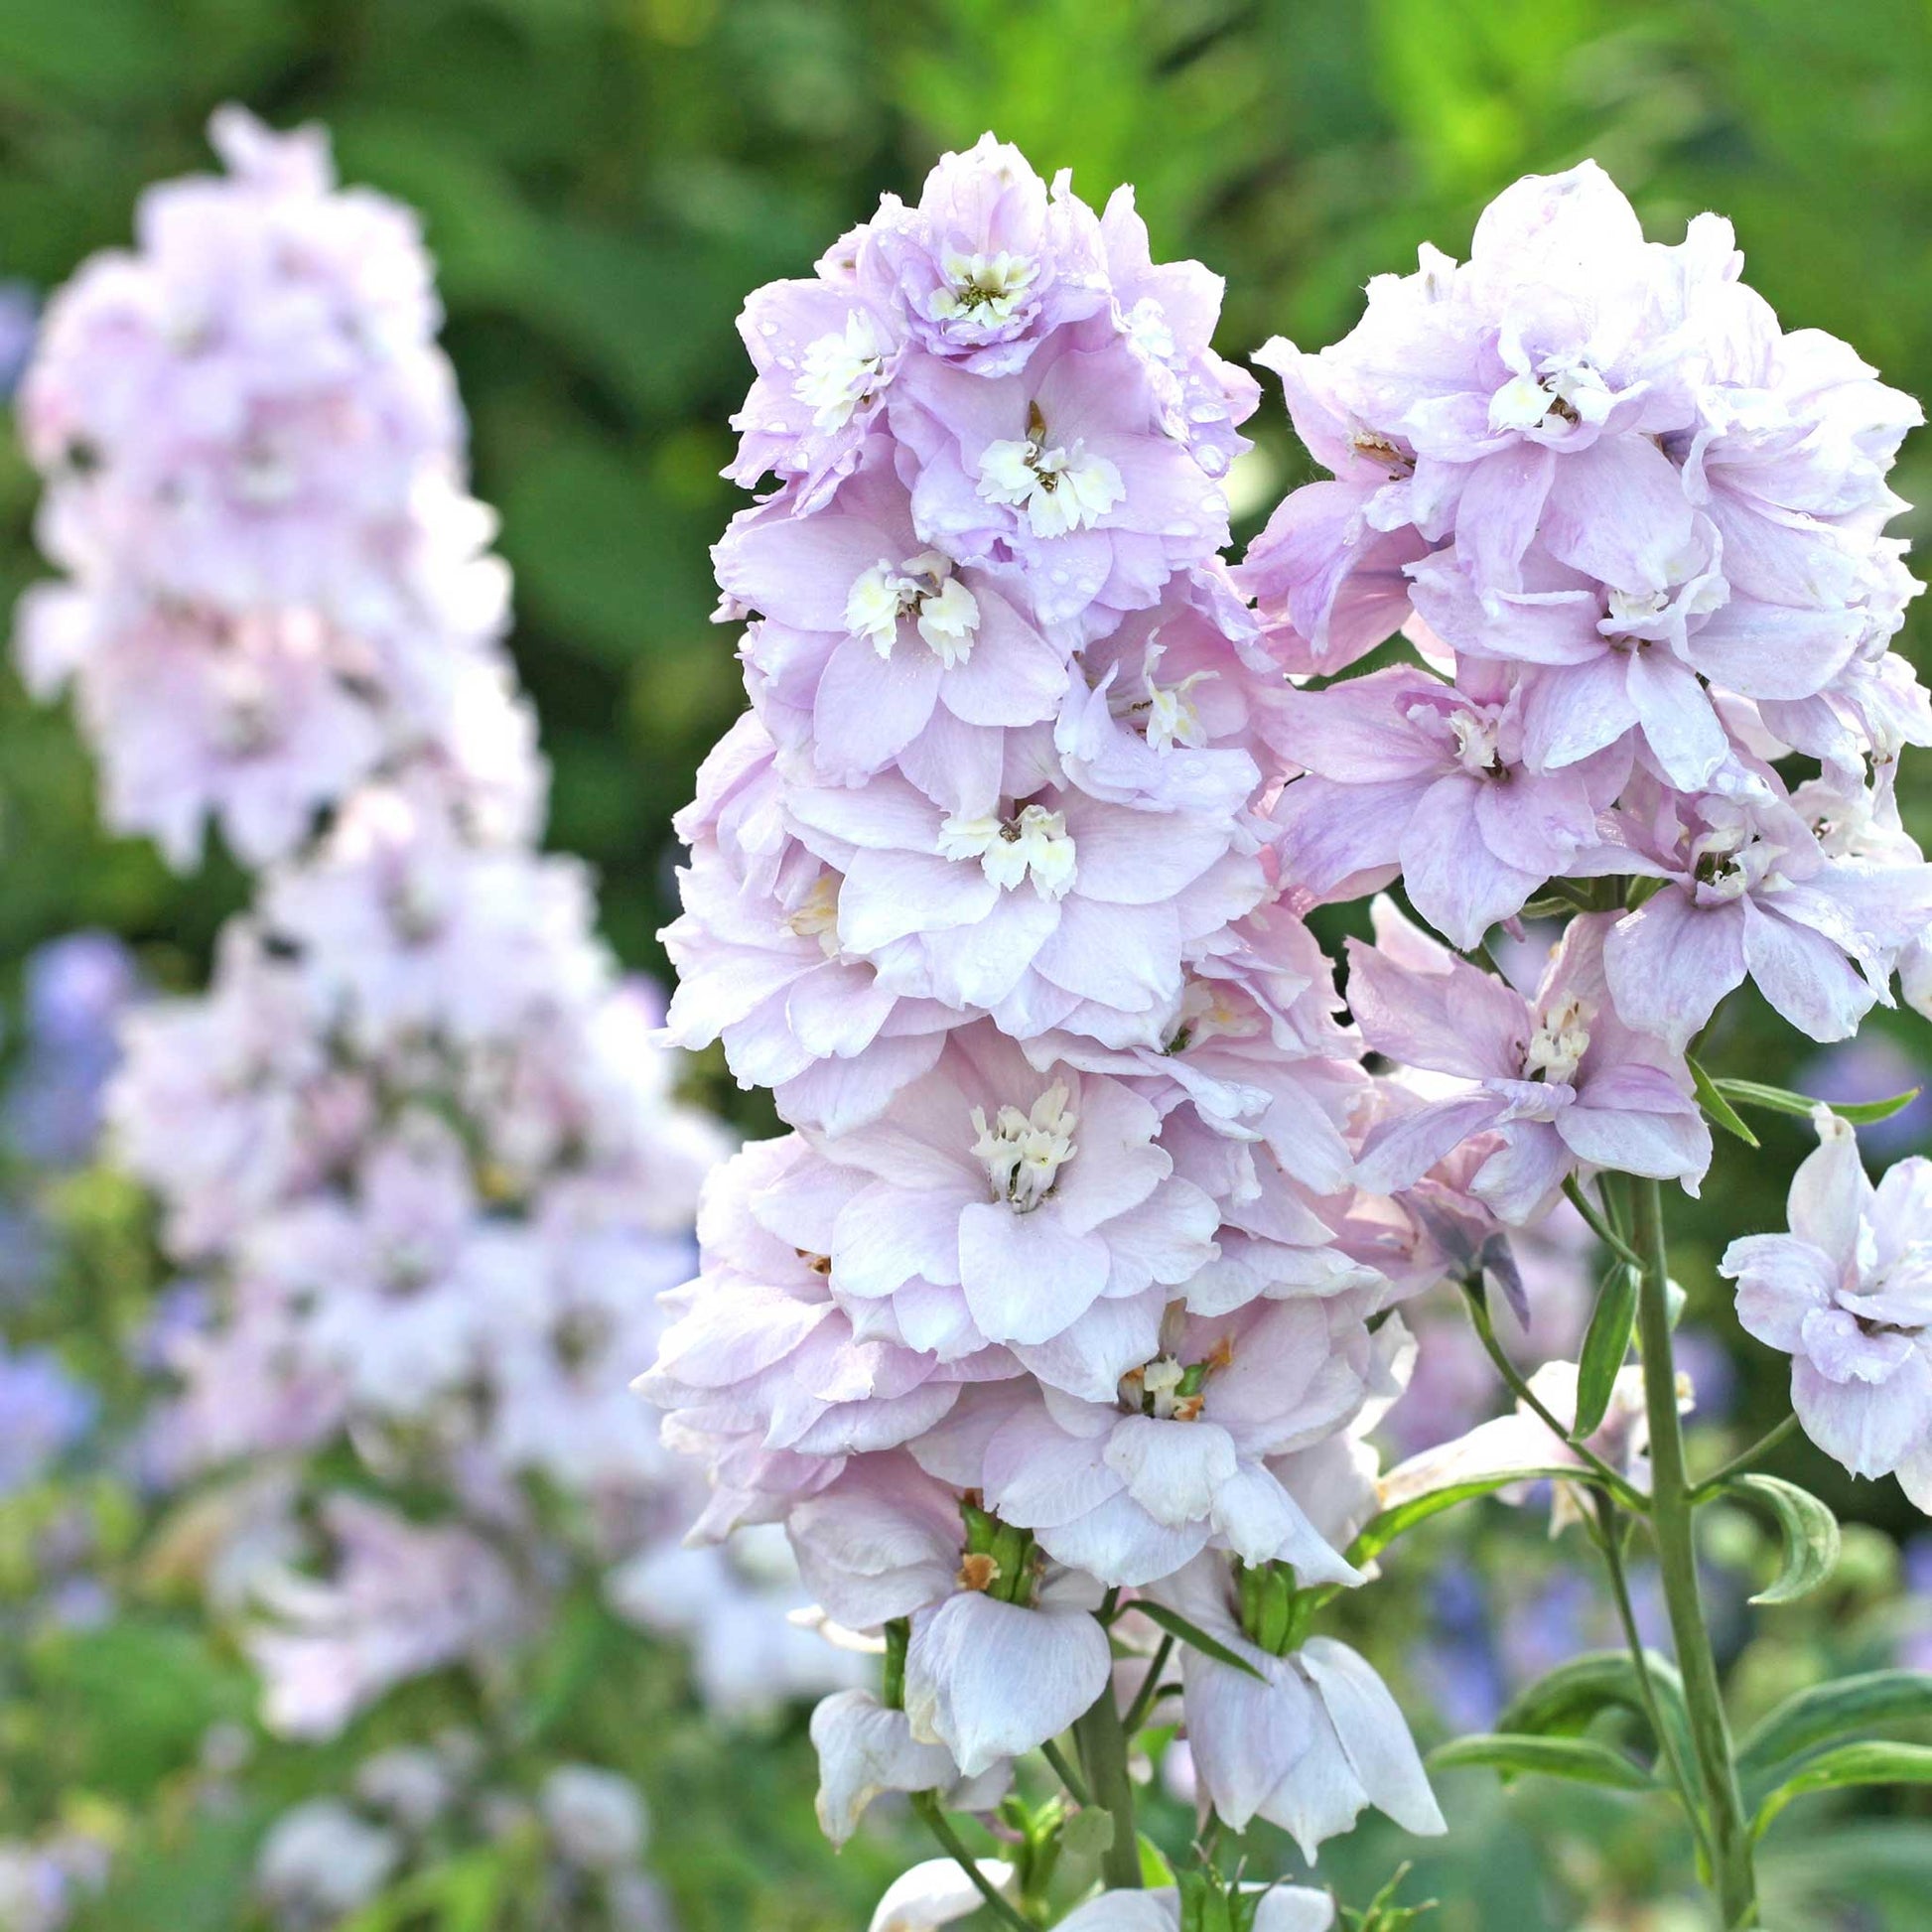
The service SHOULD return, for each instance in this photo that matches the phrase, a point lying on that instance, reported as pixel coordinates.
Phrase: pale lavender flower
(1034, 1208)
(404, 1598)
(1131, 1489)
(1847, 1292)
(1750, 891)
(1412, 776)
(1308, 1742)
(1565, 1082)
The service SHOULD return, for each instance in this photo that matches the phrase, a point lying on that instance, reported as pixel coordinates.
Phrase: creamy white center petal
(1208, 1011)
(1035, 844)
(841, 370)
(1024, 1153)
(1060, 488)
(1476, 743)
(1169, 712)
(983, 289)
(922, 588)
(816, 915)
(1562, 1038)
(1562, 390)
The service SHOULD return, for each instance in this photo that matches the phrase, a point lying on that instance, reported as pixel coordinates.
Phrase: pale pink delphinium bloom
(1847, 1294)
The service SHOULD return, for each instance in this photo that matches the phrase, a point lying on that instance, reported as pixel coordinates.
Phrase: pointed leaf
(1810, 1536)
(1605, 1347)
(1723, 1113)
(1850, 1764)
(1193, 1635)
(1851, 1706)
(1564, 1702)
(1155, 1872)
(1380, 1531)
(1582, 1759)
(1781, 1101)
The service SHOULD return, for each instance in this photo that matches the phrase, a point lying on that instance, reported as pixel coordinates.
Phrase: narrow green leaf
(1564, 1702)
(1195, 1636)
(1605, 1347)
(1781, 1101)
(1380, 1531)
(1582, 1759)
(1155, 1872)
(1862, 1113)
(1850, 1764)
(1710, 1096)
(1851, 1706)
(1810, 1536)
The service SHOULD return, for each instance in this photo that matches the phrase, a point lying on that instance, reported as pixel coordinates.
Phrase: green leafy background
(602, 181)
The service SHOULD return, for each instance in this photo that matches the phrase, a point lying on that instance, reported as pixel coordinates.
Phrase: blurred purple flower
(43, 1411)
(1874, 1066)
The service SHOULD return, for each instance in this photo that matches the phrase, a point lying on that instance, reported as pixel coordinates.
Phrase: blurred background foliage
(603, 180)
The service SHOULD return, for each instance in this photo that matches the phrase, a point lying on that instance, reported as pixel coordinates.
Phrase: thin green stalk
(1609, 1539)
(1672, 1522)
(1103, 1749)
(1600, 1225)
(1149, 1688)
(1737, 1465)
(928, 1805)
(1064, 1771)
(1595, 1468)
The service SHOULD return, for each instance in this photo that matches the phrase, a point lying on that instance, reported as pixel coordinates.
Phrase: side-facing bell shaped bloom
(1565, 1082)
(1410, 774)
(866, 1748)
(1847, 1294)
(1308, 1742)
(987, 1675)
(1274, 1908)
(761, 1346)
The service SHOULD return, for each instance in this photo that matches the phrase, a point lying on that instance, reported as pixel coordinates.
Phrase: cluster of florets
(1061, 1287)
(1637, 532)
(416, 1147)
(275, 582)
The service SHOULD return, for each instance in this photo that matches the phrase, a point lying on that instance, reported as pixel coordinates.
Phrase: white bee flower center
(1024, 1153)
(816, 915)
(1475, 742)
(1034, 845)
(1562, 1038)
(1560, 391)
(922, 588)
(981, 288)
(1060, 489)
(841, 372)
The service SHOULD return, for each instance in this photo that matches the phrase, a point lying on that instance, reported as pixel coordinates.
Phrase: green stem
(928, 1805)
(1064, 1771)
(1595, 1468)
(1609, 1539)
(1149, 1688)
(1672, 1523)
(1103, 1749)
(1598, 1225)
(1737, 1465)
